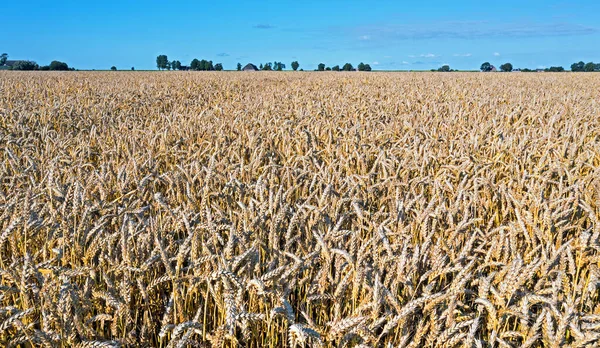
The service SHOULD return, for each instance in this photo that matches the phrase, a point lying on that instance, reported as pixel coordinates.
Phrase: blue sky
(395, 35)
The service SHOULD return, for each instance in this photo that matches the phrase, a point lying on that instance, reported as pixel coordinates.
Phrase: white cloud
(364, 37)
(496, 54)
(405, 62)
(375, 63)
(424, 55)
(387, 56)
(462, 54)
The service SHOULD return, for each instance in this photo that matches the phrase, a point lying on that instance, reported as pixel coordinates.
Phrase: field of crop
(299, 209)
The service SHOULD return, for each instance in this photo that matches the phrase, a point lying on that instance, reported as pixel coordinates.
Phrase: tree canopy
(486, 66)
(347, 67)
(25, 65)
(60, 66)
(507, 67)
(295, 65)
(162, 62)
(3, 58)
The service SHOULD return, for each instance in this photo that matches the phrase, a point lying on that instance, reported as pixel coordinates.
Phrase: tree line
(163, 63)
(25, 65)
(575, 67)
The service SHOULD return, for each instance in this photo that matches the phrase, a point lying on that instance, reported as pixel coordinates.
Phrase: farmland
(299, 209)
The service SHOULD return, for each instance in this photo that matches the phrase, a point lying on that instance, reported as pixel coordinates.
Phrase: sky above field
(389, 35)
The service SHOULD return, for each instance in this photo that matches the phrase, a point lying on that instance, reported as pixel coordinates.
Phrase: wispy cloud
(496, 54)
(405, 62)
(364, 37)
(470, 30)
(423, 55)
(223, 55)
(264, 26)
(375, 63)
(462, 54)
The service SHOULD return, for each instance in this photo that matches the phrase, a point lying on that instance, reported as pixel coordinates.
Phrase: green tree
(60, 66)
(367, 67)
(3, 58)
(321, 67)
(327, 69)
(162, 61)
(361, 66)
(486, 67)
(113, 68)
(295, 65)
(267, 67)
(219, 67)
(589, 67)
(506, 67)
(239, 67)
(336, 68)
(278, 66)
(577, 67)
(444, 68)
(195, 64)
(176, 65)
(348, 67)
(132, 69)
(25, 65)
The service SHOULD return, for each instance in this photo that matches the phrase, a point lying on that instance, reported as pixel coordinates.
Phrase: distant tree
(260, 67)
(301, 69)
(44, 68)
(239, 67)
(486, 67)
(348, 67)
(589, 67)
(321, 67)
(295, 65)
(176, 65)
(327, 69)
(555, 69)
(219, 67)
(25, 65)
(209, 66)
(361, 66)
(113, 68)
(60, 66)
(132, 69)
(195, 64)
(577, 67)
(506, 67)
(161, 62)
(3, 58)
(444, 68)
(367, 67)
(278, 66)
(336, 68)
(268, 66)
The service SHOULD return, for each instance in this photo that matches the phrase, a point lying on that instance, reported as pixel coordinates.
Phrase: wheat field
(299, 209)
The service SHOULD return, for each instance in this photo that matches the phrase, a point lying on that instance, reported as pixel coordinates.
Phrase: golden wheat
(304, 209)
